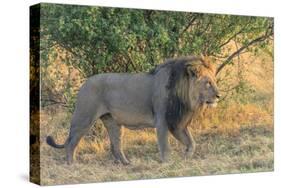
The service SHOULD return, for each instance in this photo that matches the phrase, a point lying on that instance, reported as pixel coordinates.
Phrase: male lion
(166, 98)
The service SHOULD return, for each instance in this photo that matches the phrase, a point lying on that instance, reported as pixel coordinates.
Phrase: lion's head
(203, 90)
(191, 87)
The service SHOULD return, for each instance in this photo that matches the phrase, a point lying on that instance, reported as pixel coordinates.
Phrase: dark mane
(176, 107)
(182, 60)
(178, 102)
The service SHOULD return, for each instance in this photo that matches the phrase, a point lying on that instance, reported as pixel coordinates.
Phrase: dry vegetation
(233, 138)
(226, 148)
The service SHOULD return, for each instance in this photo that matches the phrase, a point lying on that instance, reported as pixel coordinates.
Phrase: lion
(166, 98)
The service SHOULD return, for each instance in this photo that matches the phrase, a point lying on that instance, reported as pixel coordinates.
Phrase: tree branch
(53, 102)
(128, 57)
(188, 26)
(254, 41)
(232, 37)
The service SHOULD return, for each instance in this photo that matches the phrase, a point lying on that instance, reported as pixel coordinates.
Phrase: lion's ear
(210, 63)
(193, 67)
(191, 72)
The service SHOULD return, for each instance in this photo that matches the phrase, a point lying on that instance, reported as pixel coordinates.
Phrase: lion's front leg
(185, 137)
(192, 145)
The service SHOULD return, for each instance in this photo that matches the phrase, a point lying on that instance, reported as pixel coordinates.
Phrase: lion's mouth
(211, 103)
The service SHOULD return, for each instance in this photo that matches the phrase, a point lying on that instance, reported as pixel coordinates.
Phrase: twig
(232, 37)
(53, 102)
(130, 61)
(188, 25)
(254, 41)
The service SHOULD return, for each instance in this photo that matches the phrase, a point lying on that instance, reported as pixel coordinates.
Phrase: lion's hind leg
(115, 136)
(82, 120)
(77, 131)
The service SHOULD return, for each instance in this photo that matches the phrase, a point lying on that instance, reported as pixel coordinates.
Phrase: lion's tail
(50, 140)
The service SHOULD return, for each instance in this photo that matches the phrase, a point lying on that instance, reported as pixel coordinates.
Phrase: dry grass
(223, 146)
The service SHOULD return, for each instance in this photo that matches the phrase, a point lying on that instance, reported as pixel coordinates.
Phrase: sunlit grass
(238, 139)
